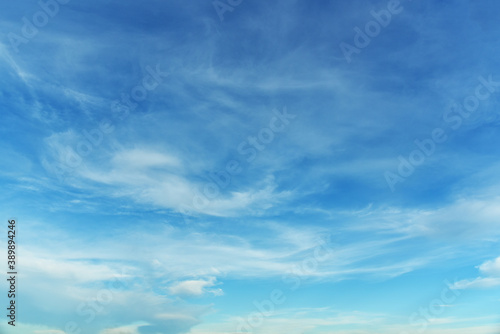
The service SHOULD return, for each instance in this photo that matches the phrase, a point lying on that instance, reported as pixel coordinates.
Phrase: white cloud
(195, 287)
(328, 321)
(466, 218)
(153, 177)
(491, 268)
(25, 328)
(144, 158)
(76, 270)
(129, 329)
(176, 316)
(491, 276)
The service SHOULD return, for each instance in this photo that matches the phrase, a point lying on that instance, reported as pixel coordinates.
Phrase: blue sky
(299, 167)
